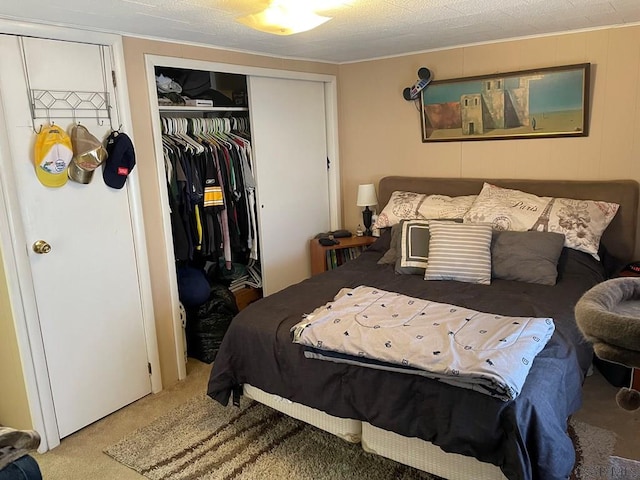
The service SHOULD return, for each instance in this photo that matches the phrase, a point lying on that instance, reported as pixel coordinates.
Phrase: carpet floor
(201, 440)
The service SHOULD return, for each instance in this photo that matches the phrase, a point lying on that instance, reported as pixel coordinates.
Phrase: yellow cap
(52, 154)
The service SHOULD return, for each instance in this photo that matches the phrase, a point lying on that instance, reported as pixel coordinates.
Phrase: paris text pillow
(582, 222)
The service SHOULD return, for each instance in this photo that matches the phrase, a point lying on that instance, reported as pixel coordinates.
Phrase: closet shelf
(185, 108)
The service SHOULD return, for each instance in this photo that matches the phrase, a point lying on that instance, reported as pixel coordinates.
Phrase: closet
(292, 160)
(206, 144)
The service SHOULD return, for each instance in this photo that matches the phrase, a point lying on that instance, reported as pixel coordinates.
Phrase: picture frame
(536, 103)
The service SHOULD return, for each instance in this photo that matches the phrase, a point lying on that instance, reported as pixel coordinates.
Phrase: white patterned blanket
(466, 348)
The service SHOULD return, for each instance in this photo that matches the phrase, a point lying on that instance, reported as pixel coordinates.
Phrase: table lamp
(366, 198)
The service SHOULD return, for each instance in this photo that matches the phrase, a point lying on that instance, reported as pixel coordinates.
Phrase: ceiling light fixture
(286, 17)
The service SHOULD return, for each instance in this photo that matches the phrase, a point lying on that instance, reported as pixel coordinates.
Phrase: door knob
(41, 246)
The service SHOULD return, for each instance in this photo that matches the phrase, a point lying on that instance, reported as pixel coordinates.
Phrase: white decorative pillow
(420, 206)
(459, 251)
(401, 206)
(581, 221)
(444, 207)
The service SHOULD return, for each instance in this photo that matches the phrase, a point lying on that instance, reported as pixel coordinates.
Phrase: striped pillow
(460, 251)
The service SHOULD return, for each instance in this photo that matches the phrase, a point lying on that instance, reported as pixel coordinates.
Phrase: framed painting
(545, 102)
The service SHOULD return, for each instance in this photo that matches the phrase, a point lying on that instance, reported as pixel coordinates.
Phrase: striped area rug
(201, 440)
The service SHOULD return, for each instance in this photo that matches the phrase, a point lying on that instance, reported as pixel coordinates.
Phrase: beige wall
(134, 51)
(14, 406)
(380, 131)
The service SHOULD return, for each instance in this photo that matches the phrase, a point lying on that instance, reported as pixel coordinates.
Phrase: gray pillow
(389, 258)
(526, 256)
(412, 247)
(460, 251)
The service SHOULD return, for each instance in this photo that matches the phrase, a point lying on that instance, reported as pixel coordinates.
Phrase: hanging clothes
(212, 191)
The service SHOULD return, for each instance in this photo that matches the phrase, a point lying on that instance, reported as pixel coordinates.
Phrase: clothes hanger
(182, 128)
(177, 140)
(208, 132)
(219, 132)
(175, 133)
(199, 130)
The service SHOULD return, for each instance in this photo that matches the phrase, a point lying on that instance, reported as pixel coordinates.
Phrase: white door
(87, 286)
(288, 131)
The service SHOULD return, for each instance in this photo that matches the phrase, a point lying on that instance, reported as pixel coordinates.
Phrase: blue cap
(121, 160)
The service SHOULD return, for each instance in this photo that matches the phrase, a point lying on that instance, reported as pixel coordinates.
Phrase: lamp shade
(367, 195)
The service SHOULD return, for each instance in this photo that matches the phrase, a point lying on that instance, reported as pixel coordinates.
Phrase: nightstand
(325, 258)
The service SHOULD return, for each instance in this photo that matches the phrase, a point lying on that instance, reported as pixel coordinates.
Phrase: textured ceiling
(366, 29)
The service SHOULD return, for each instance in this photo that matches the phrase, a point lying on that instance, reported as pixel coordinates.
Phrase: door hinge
(328, 163)
(149, 366)
(113, 78)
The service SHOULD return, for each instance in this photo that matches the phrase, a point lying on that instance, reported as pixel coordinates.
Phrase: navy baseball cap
(121, 160)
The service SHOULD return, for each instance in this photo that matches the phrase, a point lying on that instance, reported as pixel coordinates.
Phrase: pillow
(382, 243)
(401, 205)
(526, 256)
(444, 207)
(459, 251)
(389, 258)
(581, 221)
(419, 206)
(413, 247)
(573, 263)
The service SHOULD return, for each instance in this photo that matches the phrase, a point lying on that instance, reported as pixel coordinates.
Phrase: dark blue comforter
(525, 437)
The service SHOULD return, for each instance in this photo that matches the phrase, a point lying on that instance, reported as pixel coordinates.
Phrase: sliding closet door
(289, 138)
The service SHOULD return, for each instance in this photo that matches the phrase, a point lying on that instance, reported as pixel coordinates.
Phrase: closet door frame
(15, 256)
(331, 111)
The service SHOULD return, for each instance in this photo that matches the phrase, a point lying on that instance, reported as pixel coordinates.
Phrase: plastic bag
(207, 324)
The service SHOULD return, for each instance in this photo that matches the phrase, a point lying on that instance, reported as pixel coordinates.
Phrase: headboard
(619, 238)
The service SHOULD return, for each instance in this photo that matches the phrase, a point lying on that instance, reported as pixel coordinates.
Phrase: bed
(439, 428)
